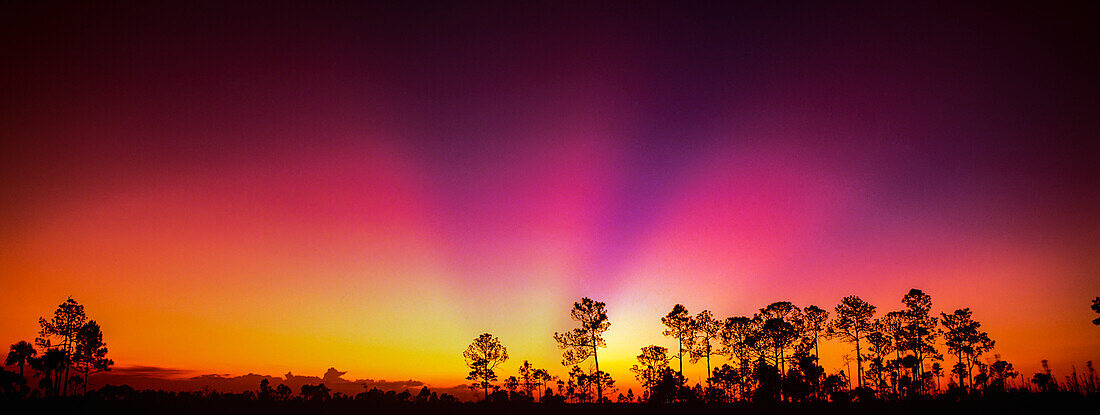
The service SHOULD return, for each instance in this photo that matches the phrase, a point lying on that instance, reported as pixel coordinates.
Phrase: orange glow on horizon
(233, 190)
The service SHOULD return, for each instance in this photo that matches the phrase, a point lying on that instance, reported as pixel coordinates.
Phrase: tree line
(774, 356)
(68, 349)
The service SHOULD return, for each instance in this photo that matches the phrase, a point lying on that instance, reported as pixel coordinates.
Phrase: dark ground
(1032, 404)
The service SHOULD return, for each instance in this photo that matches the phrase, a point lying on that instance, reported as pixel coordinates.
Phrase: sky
(233, 190)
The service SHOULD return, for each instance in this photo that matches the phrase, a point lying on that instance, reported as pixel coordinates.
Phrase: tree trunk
(779, 366)
(961, 383)
(708, 368)
(741, 374)
(970, 370)
(920, 361)
(68, 362)
(706, 394)
(859, 364)
(817, 355)
(680, 342)
(849, 363)
(599, 381)
(779, 355)
(897, 372)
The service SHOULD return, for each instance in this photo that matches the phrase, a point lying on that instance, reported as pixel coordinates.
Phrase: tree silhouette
(482, 356)
(679, 325)
(511, 383)
(776, 350)
(424, 396)
(726, 377)
(671, 387)
(19, 354)
(805, 377)
(1045, 380)
(90, 353)
(768, 381)
(1000, 372)
(920, 330)
(847, 360)
(582, 342)
(889, 337)
(630, 395)
(776, 335)
(265, 390)
(736, 338)
(67, 321)
(51, 365)
(815, 322)
(541, 377)
(603, 382)
(1096, 308)
(283, 392)
(835, 387)
(963, 337)
(937, 371)
(707, 331)
(527, 376)
(782, 327)
(318, 392)
(652, 365)
(580, 389)
(880, 344)
(852, 323)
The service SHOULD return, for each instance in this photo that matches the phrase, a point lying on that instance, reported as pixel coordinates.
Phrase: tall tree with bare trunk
(679, 325)
(854, 320)
(583, 342)
(707, 330)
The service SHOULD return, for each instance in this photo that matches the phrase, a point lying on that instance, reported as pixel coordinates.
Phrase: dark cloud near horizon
(173, 379)
(155, 371)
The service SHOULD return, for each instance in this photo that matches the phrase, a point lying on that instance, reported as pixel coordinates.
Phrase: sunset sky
(280, 189)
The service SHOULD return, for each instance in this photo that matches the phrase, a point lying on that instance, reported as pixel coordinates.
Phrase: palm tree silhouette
(20, 353)
(52, 364)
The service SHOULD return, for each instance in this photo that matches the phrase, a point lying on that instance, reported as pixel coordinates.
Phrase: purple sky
(790, 151)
